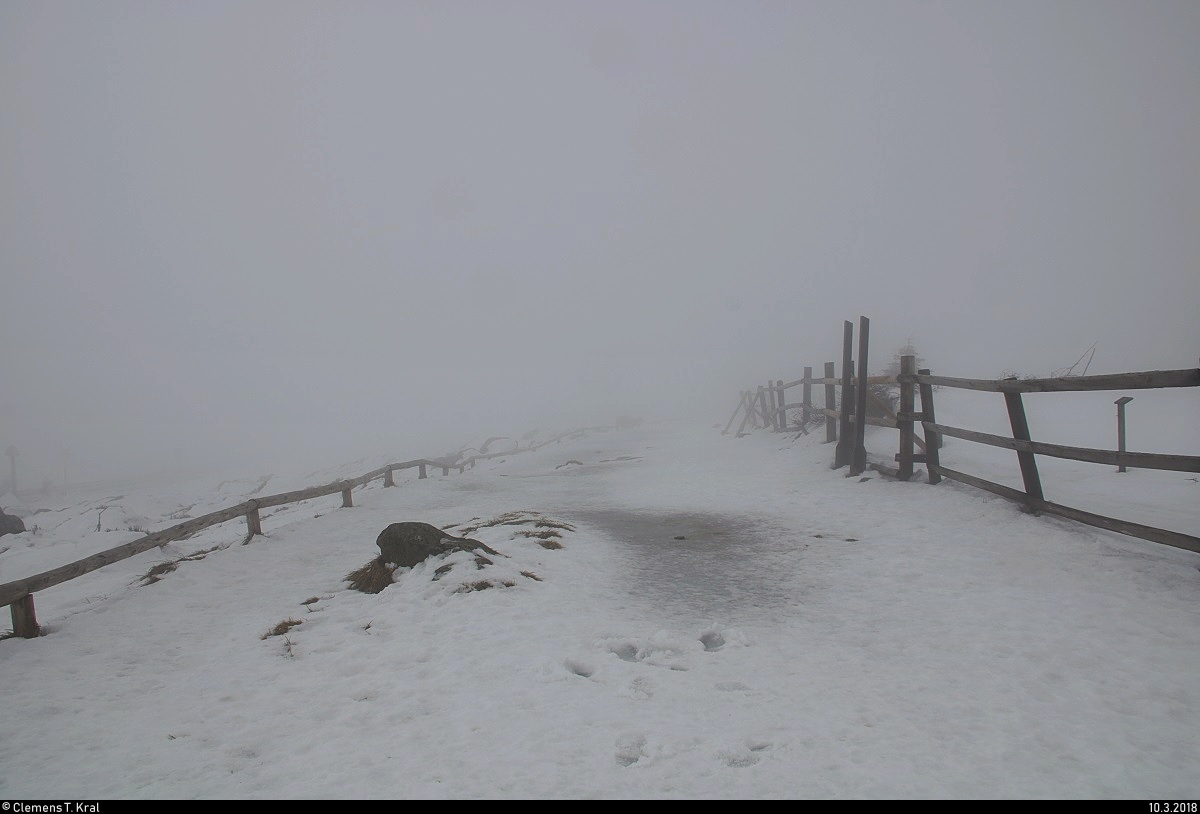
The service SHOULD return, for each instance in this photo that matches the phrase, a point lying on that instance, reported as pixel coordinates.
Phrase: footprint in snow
(630, 749)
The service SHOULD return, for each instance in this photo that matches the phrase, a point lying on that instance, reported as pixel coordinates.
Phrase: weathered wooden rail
(767, 408)
(18, 594)
(1032, 498)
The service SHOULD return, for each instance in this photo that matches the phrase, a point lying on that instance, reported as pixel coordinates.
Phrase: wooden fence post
(845, 451)
(904, 418)
(347, 502)
(806, 399)
(422, 474)
(388, 479)
(762, 405)
(24, 620)
(859, 464)
(253, 521)
(830, 403)
(1020, 431)
(745, 414)
(445, 470)
(741, 405)
(782, 405)
(933, 441)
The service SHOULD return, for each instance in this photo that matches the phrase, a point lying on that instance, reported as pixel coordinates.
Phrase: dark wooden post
(388, 479)
(740, 407)
(1020, 431)
(422, 473)
(933, 440)
(347, 502)
(745, 414)
(859, 464)
(762, 405)
(908, 405)
(845, 451)
(830, 403)
(782, 405)
(806, 399)
(253, 521)
(24, 620)
(445, 470)
(1121, 402)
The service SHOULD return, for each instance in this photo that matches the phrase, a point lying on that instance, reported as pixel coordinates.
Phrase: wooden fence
(767, 407)
(19, 593)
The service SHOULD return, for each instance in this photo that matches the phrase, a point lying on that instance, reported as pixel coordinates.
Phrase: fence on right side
(846, 419)
(1026, 448)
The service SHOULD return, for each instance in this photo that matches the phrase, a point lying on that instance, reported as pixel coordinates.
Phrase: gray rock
(406, 544)
(10, 524)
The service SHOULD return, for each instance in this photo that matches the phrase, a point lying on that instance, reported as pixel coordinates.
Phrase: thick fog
(262, 234)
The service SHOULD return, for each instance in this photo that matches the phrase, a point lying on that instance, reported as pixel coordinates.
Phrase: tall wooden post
(253, 521)
(347, 501)
(933, 440)
(782, 405)
(740, 407)
(908, 405)
(762, 406)
(859, 464)
(806, 399)
(1121, 402)
(749, 411)
(24, 619)
(845, 449)
(1020, 431)
(388, 479)
(830, 403)
(422, 474)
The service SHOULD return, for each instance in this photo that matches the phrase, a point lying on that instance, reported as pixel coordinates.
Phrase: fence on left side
(18, 594)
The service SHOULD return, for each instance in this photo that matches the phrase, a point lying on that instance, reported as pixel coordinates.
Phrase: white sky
(276, 231)
(813, 637)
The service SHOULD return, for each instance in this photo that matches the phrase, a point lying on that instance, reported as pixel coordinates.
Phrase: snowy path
(927, 642)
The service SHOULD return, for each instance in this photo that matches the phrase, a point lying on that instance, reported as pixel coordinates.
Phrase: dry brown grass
(282, 628)
(483, 585)
(156, 572)
(372, 577)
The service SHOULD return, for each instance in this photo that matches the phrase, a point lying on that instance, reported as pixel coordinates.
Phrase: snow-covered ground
(810, 636)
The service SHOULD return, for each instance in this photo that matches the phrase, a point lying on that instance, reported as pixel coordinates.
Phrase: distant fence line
(767, 406)
(18, 595)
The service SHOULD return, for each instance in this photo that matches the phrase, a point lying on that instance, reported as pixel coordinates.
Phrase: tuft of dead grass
(483, 585)
(156, 572)
(546, 534)
(372, 577)
(282, 628)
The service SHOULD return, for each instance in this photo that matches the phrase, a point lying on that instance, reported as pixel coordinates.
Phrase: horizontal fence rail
(18, 594)
(768, 407)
